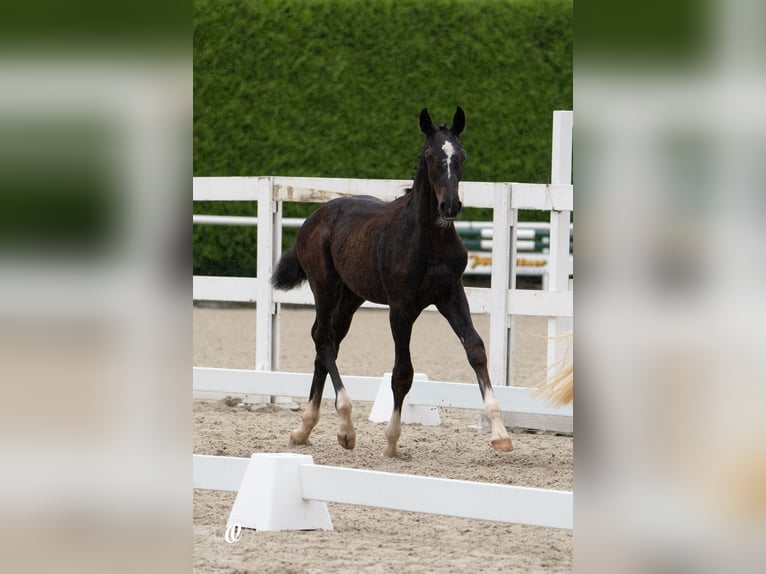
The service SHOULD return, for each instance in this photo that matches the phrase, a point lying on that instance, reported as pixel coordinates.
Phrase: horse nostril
(459, 205)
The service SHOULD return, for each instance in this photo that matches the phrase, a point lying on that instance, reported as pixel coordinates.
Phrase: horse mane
(414, 174)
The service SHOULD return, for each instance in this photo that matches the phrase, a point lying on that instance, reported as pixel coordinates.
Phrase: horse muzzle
(449, 209)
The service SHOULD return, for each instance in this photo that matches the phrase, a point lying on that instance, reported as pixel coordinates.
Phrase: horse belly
(355, 260)
(359, 272)
(367, 291)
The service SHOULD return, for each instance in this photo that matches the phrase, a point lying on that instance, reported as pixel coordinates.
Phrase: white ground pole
(558, 262)
(287, 491)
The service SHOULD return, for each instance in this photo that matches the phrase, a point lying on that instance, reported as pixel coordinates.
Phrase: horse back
(374, 250)
(340, 239)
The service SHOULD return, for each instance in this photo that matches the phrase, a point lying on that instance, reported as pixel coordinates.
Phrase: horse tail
(289, 273)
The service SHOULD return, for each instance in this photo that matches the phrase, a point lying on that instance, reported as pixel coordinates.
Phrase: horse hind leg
(346, 431)
(327, 353)
(342, 315)
(310, 416)
(334, 313)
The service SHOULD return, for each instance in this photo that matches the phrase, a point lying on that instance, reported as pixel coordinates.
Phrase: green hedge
(333, 88)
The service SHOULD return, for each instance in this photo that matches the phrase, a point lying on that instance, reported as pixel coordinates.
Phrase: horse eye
(429, 158)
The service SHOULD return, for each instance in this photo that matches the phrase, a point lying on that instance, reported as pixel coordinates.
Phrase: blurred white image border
(670, 180)
(669, 166)
(95, 258)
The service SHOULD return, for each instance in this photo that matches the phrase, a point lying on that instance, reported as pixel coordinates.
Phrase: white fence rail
(222, 382)
(295, 479)
(533, 262)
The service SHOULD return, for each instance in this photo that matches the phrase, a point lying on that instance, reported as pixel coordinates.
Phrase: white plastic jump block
(270, 496)
(411, 414)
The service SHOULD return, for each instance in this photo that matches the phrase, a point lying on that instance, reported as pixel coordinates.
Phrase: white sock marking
(492, 412)
(343, 406)
(393, 432)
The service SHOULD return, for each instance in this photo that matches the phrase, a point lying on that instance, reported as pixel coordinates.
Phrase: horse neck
(423, 199)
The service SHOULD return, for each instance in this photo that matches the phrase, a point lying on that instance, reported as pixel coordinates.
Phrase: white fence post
(265, 301)
(500, 276)
(264, 345)
(558, 262)
(512, 256)
(276, 252)
(267, 311)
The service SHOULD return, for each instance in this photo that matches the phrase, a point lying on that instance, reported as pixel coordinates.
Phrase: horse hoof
(296, 440)
(346, 441)
(502, 445)
(390, 452)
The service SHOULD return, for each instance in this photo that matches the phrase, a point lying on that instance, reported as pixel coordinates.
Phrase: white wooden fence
(282, 491)
(503, 301)
(533, 262)
(516, 401)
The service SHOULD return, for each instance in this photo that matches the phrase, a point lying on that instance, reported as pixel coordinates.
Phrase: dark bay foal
(405, 254)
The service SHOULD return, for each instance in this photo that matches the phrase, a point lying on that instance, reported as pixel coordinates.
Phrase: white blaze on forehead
(448, 151)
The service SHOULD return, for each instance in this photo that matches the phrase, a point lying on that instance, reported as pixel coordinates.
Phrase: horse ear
(458, 122)
(426, 125)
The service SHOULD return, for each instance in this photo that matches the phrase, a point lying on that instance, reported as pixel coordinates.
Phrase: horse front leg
(401, 377)
(458, 314)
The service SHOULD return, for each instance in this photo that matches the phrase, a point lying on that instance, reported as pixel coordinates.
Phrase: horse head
(444, 157)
